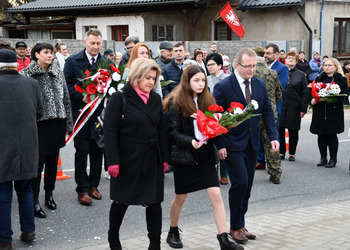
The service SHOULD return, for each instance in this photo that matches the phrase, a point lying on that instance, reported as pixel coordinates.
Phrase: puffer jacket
(171, 72)
(54, 91)
(181, 134)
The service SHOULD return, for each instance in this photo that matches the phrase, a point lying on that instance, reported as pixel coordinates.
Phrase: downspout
(321, 27)
(309, 29)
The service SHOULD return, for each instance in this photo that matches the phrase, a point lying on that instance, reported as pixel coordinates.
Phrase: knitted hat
(8, 58)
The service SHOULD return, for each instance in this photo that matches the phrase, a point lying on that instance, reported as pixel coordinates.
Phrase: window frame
(339, 53)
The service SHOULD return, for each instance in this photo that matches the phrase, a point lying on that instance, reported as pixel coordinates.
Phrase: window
(120, 32)
(62, 34)
(162, 32)
(341, 38)
(87, 28)
(224, 32)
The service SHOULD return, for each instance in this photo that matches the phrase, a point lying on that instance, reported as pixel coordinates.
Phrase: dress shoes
(282, 156)
(50, 203)
(223, 181)
(174, 239)
(259, 166)
(84, 199)
(28, 236)
(38, 211)
(332, 162)
(238, 236)
(5, 245)
(291, 158)
(226, 244)
(95, 194)
(274, 180)
(322, 162)
(249, 235)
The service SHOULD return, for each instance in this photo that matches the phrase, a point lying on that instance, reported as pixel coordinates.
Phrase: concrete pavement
(321, 227)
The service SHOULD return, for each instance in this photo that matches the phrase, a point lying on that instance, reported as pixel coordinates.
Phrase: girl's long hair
(182, 96)
(135, 52)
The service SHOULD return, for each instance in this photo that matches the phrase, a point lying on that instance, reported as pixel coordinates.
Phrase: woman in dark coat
(56, 122)
(303, 64)
(294, 106)
(194, 162)
(135, 148)
(328, 118)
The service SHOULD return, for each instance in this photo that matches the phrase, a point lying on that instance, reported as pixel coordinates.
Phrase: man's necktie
(92, 60)
(248, 96)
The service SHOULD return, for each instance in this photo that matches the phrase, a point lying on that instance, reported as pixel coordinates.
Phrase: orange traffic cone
(60, 175)
(287, 139)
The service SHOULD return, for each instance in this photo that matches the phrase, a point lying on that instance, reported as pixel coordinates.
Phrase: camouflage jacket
(273, 85)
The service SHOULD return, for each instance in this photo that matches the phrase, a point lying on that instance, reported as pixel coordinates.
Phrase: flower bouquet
(325, 92)
(216, 121)
(102, 82)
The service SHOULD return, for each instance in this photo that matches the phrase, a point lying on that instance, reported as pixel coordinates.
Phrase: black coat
(20, 108)
(303, 66)
(328, 118)
(138, 144)
(181, 134)
(295, 97)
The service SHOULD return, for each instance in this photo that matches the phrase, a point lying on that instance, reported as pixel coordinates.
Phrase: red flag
(231, 19)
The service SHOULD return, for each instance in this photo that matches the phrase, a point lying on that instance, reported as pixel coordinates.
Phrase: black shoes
(291, 158)
(226, 244)
(28, 236)
(169, 169)
(332, 162)
(274, 180)
(173, 238)
(50, 203)
(323, 161)
(38, 211)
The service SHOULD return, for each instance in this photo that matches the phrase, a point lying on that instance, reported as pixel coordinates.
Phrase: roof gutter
(309, 29)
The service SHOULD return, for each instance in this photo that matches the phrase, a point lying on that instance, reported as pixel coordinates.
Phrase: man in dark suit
(84, 142)
(239, 146)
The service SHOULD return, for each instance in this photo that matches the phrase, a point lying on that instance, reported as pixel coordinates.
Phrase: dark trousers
(330, 141)
(25, 206)
(50, 172)
(241, 169)
(85, 147)
(153, 219)
(293, 140)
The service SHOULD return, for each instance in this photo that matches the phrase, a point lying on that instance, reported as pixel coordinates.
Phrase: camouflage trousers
(273, 159)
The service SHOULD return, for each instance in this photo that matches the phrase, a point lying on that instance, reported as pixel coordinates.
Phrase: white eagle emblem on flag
(231, 18)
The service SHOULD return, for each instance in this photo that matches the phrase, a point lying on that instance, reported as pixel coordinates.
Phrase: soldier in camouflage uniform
(274, 90)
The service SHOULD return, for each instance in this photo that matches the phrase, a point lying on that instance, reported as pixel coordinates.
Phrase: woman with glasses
(141, 50)
(328, 118)
(55, 123)
(294, 106)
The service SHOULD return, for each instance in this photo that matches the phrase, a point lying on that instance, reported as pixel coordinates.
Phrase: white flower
(255, 104)
(111, 91)
(238, 111)
(217, 116)
(116, 77)
(120, 86)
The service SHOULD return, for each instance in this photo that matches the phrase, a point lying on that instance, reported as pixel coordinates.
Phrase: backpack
(98, 126)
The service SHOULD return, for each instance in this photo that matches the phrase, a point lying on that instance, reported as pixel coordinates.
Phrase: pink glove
(113, 170)
(165, 166)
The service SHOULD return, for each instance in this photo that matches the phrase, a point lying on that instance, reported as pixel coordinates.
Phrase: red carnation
(235, 105)
(215, 108)
(79, 89)
(115, 69)
(91, 89)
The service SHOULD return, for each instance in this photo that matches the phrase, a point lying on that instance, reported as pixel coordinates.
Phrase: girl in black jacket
(194, 165)
(328, 118)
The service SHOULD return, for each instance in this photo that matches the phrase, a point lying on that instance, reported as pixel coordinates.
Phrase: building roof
(50, 5)
(263, 4)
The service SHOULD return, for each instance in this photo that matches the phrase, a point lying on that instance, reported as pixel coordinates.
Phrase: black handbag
(98, 126)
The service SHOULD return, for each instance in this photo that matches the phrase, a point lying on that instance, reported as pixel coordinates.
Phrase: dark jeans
(293, 140)
(50, 162)
(153, 219)
(85, 147)
(241, 170)
(25, 206)
(330, 141)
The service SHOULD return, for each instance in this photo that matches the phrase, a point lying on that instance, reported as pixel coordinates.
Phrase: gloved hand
(113, 170)
(165, 166)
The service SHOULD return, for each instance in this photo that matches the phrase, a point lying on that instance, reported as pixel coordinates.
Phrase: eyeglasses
(211, 64)
(129, 48)
(248, 66)
(328, 65)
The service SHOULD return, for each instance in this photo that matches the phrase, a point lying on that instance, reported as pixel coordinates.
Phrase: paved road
(303, 189)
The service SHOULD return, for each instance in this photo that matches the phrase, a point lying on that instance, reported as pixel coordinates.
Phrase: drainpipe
(321, 27)
(309, 29)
